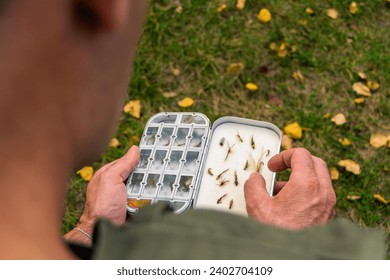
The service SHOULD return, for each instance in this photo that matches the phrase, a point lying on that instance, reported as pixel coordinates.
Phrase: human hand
(106, 192)
(306, 199)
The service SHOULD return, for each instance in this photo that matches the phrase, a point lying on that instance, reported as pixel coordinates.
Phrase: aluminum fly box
(186, 162)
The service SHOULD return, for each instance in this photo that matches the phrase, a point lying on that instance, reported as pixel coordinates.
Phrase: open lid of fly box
(185, 162)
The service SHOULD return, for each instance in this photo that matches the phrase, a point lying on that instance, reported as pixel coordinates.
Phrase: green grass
(202, 43)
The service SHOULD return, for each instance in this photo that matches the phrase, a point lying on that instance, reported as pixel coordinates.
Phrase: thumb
(126, 164)
(255, 193)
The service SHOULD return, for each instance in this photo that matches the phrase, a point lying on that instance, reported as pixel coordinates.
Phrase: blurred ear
(99, 15)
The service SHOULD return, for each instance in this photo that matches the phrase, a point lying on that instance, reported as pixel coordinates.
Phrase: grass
(201, 43)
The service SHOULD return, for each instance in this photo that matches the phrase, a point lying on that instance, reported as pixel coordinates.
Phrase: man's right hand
(306, 199)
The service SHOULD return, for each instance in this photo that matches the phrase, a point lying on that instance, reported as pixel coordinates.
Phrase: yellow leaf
(359, 100)
(175, 71)
(332, 13)
(138, 203)
(339, 119)
(326, 116)
(169, 94)
(114, 143)
(240, 4)
(345, 141)
(221, 8)
(282, 52)
(373, 85)
(297, 75)
(353, 8)
(179, 9)
(294, 48)
(133, 107)
(186, 102)
(361, 89)
(287, 142)
(86, 173)
(378, 140)
(309, 11)
(293, 130)
(273, 46)
(235, 67)
(381, 199)
(303, 21)
(251, 87)
(362, 76)
(334, 173)
(350, 166)
(354, 197)
(264, 15)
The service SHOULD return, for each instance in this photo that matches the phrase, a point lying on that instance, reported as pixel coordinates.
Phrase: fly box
(186, 162)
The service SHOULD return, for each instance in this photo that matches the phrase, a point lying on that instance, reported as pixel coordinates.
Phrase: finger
(298, 159)
(126, 164)
(278, 186)
(255, 193)
(105, 167)
(325, 181)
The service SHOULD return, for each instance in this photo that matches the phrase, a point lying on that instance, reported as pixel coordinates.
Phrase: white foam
(209, 191)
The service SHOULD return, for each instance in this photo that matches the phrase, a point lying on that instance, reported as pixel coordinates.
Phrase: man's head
(64, 71)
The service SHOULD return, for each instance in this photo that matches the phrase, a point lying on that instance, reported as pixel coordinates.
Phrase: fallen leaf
(378, 140)
(169, 94)
(114, 142)
(309, 11)
(240, 4)
(349, 41)
(136, 203)
(354, 27)
(133, 107)
(294, 48)
(302, 21)
(186, 102)
(273, 46)
(221, 8)
(179, 9)
(381, 199)
(293, 130)
(86, 173)
(362, 76)
(361, 89)
(134, 140)
(373, 85)
(235, 67)
(353, 8)
(263, 69)
(334, 173)
(326, 116)
(350, 166)
(345, 141)
(287, 142)
(297, 75)
(251, 87)
(332, 13)
(354, 197)
(359, 100)
(264, 15)
(175, 71)
(282, 52)
(339, 119)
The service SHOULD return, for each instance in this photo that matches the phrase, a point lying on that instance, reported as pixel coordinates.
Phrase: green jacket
(156, 233)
